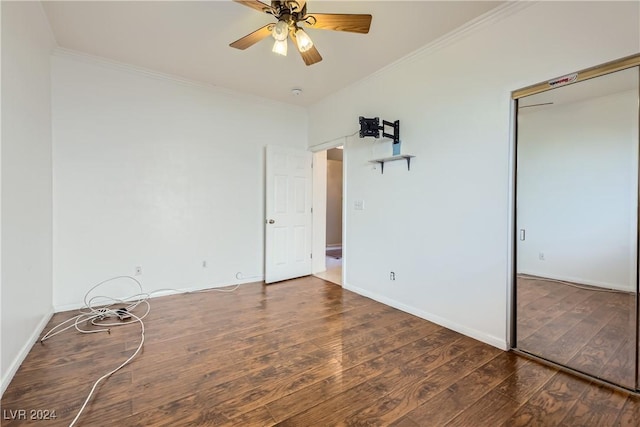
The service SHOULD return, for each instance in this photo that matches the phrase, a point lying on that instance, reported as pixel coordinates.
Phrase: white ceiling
(190, 39)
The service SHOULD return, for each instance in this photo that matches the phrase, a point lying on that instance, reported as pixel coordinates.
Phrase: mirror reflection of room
(577, 204)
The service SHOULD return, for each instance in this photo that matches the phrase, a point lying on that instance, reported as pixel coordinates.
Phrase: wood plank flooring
(298, 353)
(584, 328)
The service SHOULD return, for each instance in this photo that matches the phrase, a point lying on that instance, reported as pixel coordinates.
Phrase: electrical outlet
(358, 205)
(392, 276)
(138, 271)
(541, 256)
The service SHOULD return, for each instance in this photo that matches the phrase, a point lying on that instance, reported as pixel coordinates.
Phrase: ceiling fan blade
(253, 38)
(339, 22)
(309, 57)
(255, 4)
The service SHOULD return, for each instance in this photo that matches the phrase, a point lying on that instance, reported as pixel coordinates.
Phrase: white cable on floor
(231, 289)
(138, 319)
(93, 313)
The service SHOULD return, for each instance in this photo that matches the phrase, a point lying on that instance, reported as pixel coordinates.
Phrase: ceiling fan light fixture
(291, 13)
(303, 40)
(280, 47)
(280, 30)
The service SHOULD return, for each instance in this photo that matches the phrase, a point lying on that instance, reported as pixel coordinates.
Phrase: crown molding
(149, 73)
(507, 9)
(54, 42)
(499, 13)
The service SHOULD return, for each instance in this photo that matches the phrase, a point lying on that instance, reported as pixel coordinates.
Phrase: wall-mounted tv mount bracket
(371, 127)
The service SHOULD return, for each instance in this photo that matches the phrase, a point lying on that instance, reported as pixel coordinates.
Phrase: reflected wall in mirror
(577, 226)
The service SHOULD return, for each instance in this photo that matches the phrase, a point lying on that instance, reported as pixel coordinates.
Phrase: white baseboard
(580, 281)
(334, 246)
(164, 293)
(497, 342)
(24, 351)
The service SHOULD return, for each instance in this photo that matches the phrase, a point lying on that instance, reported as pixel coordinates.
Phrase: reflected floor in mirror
(583, 327)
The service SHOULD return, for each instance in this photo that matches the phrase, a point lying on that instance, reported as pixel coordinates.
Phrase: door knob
(271, 221)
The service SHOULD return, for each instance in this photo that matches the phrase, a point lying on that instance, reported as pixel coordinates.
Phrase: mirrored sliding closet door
(577, 225)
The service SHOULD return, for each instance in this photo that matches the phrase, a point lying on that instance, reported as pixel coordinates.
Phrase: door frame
(516, 95)
(320, 200)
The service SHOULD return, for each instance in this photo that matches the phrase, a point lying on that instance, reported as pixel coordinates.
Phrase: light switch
(358, 205)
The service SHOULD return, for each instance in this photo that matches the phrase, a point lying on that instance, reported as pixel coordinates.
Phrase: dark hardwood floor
(299, 353)
(584, 328)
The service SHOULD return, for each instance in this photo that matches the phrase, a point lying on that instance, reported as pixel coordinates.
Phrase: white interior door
(288, 222)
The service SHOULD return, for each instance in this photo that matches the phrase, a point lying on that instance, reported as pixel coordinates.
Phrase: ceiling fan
(292, 13)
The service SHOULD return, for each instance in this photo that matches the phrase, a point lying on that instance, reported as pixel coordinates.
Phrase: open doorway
(328, 205)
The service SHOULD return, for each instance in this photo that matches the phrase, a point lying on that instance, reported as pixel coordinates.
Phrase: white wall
(577, 190)
(26, 180)
(153, 172)
(444, 227)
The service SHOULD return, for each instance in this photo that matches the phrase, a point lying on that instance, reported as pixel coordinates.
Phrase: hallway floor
(334, 271)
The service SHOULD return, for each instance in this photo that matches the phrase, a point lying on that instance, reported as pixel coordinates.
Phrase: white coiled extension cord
(98, 308)
(95, 315)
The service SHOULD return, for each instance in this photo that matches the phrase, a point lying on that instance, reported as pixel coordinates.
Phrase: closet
(575, 294)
